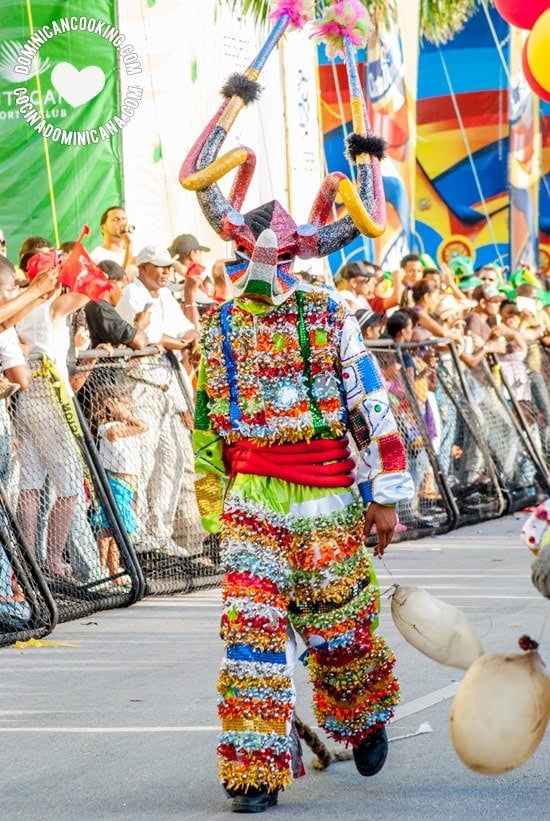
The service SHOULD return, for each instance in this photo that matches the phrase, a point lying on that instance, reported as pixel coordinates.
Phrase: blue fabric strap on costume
(243, 652)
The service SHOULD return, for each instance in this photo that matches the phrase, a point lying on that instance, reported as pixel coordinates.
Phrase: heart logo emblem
(77, 87)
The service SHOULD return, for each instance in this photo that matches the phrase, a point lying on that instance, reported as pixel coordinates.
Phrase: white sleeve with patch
(382, 474)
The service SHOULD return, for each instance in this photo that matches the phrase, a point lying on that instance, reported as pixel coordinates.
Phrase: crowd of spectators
(141, 418)
(499, 329)
(142, 428)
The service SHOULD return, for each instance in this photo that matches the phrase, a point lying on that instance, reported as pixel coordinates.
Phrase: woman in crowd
(46, 447)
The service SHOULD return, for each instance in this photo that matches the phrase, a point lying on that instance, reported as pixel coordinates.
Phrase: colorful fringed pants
(295, 559)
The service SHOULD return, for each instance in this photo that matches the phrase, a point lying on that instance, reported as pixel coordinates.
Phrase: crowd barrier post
(27, 607)
(522, 425)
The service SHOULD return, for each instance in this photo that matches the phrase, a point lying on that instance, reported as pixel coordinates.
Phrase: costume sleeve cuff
(387, 489)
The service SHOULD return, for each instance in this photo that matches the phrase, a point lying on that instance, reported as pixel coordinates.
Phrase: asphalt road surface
(122, 723)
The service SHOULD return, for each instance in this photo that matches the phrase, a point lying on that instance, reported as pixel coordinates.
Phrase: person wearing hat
(104, 322)
(355, 282)
(483, 324)
(468, 284)
(168, 326)
(284, 378)
(40, 436)
(462, 269)
(167, 459)
(451, 314)
(534, 326)
(370, 323)
(187, 252)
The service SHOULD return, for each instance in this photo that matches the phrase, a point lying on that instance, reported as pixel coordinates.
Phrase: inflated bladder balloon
(500, 712)
(537, 50)
(535, 532)
(437, 629)
(540, 571)
(528, 74)
(521, 13)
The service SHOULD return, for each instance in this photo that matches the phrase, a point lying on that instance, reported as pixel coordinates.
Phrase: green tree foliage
(439, 20)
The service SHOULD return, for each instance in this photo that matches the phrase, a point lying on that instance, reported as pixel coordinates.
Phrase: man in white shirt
(117, 242)
(168, 325)
(167, 510)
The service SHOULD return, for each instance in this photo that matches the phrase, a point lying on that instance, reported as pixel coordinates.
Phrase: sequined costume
(285, 367)
(295, 555)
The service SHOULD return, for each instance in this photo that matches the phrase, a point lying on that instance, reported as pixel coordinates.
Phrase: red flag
(80, 273)
(42, 261)
(195, 270)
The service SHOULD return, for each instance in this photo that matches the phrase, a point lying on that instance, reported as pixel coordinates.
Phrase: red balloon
(541, 92)
(521, 13)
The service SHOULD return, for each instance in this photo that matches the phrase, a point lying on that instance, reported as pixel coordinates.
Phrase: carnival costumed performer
(535, 534)
(283, 378)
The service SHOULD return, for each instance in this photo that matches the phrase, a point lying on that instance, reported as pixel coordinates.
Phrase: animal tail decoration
(323, 757)
(344, 26)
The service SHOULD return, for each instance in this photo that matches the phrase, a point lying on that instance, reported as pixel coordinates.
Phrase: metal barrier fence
(542, 402)
(471, 451)
(448, 457)
(27, 607)
(102, 488)
(147, 398)
(68, 522)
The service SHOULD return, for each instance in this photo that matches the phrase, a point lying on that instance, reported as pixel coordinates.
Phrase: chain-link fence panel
(27, 608)
(540, 395)
(409, 380)
(518, 470)
(529, 481)
(462, 449)
(147, 398)
(62, 507)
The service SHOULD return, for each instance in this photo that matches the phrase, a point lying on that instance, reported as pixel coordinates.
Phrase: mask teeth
(265, 251)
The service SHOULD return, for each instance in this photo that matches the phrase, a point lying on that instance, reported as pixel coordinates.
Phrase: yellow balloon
(537, 50)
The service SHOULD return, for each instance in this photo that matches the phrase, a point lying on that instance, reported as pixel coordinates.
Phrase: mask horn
(365, 201)
(202, 167)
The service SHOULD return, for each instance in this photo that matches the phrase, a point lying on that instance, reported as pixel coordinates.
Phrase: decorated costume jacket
(295, 373)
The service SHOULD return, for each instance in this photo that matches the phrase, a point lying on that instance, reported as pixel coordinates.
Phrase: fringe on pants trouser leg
(314, 572)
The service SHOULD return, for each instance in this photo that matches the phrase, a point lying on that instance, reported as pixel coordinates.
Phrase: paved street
(123, 723)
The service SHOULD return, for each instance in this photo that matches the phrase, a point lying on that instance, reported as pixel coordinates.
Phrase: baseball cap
(184, 244)
(356, 269)
(156, 256)
(368, 318)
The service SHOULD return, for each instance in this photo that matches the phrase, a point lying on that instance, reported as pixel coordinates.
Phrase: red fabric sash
(320, 463)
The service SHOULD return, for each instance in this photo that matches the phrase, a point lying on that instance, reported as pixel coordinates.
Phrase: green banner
(69, 83)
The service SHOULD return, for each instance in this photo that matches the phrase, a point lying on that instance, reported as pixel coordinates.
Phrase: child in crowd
(117, 427)
(513, 360)
(15, 611)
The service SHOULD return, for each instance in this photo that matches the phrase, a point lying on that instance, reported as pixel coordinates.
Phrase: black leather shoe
(370, 756)
(254, 800)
